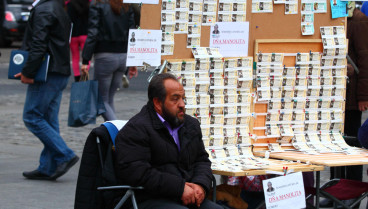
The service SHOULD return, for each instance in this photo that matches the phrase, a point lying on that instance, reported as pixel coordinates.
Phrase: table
(325, 159)
(295, 166)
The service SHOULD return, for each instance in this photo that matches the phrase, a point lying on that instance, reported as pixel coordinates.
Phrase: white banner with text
(231, 38)
(285, 192)
(144, 46)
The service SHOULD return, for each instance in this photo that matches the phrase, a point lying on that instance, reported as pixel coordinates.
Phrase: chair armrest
(118, 187)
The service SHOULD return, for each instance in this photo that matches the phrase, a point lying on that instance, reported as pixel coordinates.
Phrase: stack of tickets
(232, 11)
(217, 92)
(307, 100)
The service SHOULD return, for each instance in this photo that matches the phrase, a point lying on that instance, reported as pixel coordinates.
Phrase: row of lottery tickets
(308, 9)
(316, 143)
(237, 158)
(306, 104)
(307, 100)
(313, 143)
(240, 158)
(291, 7)
(314, 78)
(218, 93)
(188, 17)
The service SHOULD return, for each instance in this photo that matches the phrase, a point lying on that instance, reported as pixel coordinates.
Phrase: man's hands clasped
(193, 194)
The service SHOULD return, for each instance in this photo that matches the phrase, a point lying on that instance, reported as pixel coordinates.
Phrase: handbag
(253, 183)
(85, 103)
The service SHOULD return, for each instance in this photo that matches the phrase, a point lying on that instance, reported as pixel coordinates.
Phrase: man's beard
(173, 120)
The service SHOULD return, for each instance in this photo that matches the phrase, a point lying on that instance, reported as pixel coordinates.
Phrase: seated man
(161, 149)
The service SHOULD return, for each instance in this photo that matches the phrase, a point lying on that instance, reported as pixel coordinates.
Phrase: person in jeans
(47, 31)
(108, 29)
(78, 13)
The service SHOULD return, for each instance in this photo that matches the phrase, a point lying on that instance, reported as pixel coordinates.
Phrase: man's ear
(157, 105)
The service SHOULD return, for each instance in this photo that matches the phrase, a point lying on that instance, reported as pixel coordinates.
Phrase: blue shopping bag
(85, 103)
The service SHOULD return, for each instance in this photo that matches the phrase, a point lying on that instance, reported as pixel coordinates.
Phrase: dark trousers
(308, 179)
(254, 199)
(353, 121)
(169, 204)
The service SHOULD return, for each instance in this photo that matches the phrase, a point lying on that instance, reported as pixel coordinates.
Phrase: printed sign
(141, 1)
(282, 192)
(339, 8)
(144, 46)
(231, 38)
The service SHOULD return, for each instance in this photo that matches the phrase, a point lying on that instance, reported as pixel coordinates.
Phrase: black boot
(77, 78)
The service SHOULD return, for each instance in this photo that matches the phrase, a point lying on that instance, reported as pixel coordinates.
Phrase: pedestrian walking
(78, 13)
(107, 40)
(48, 31)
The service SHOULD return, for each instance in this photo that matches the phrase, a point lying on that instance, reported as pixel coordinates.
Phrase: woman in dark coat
(109, 22)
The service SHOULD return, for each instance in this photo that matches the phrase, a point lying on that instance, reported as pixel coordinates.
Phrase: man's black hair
(156, 87)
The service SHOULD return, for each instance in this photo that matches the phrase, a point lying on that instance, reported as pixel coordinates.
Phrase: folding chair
(113, 128)
(97, 184)
(343, 189)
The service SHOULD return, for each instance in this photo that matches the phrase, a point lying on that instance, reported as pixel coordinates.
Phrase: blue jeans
(169, 204)
(40, 116)
(109, 70)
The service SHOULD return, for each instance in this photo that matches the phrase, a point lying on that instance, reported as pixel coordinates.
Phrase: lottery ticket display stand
(280, 106)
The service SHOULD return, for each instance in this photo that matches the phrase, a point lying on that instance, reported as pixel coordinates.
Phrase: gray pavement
(19, 149)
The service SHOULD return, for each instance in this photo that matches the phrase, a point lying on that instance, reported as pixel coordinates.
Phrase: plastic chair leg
(134, 201)
(126, 196)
